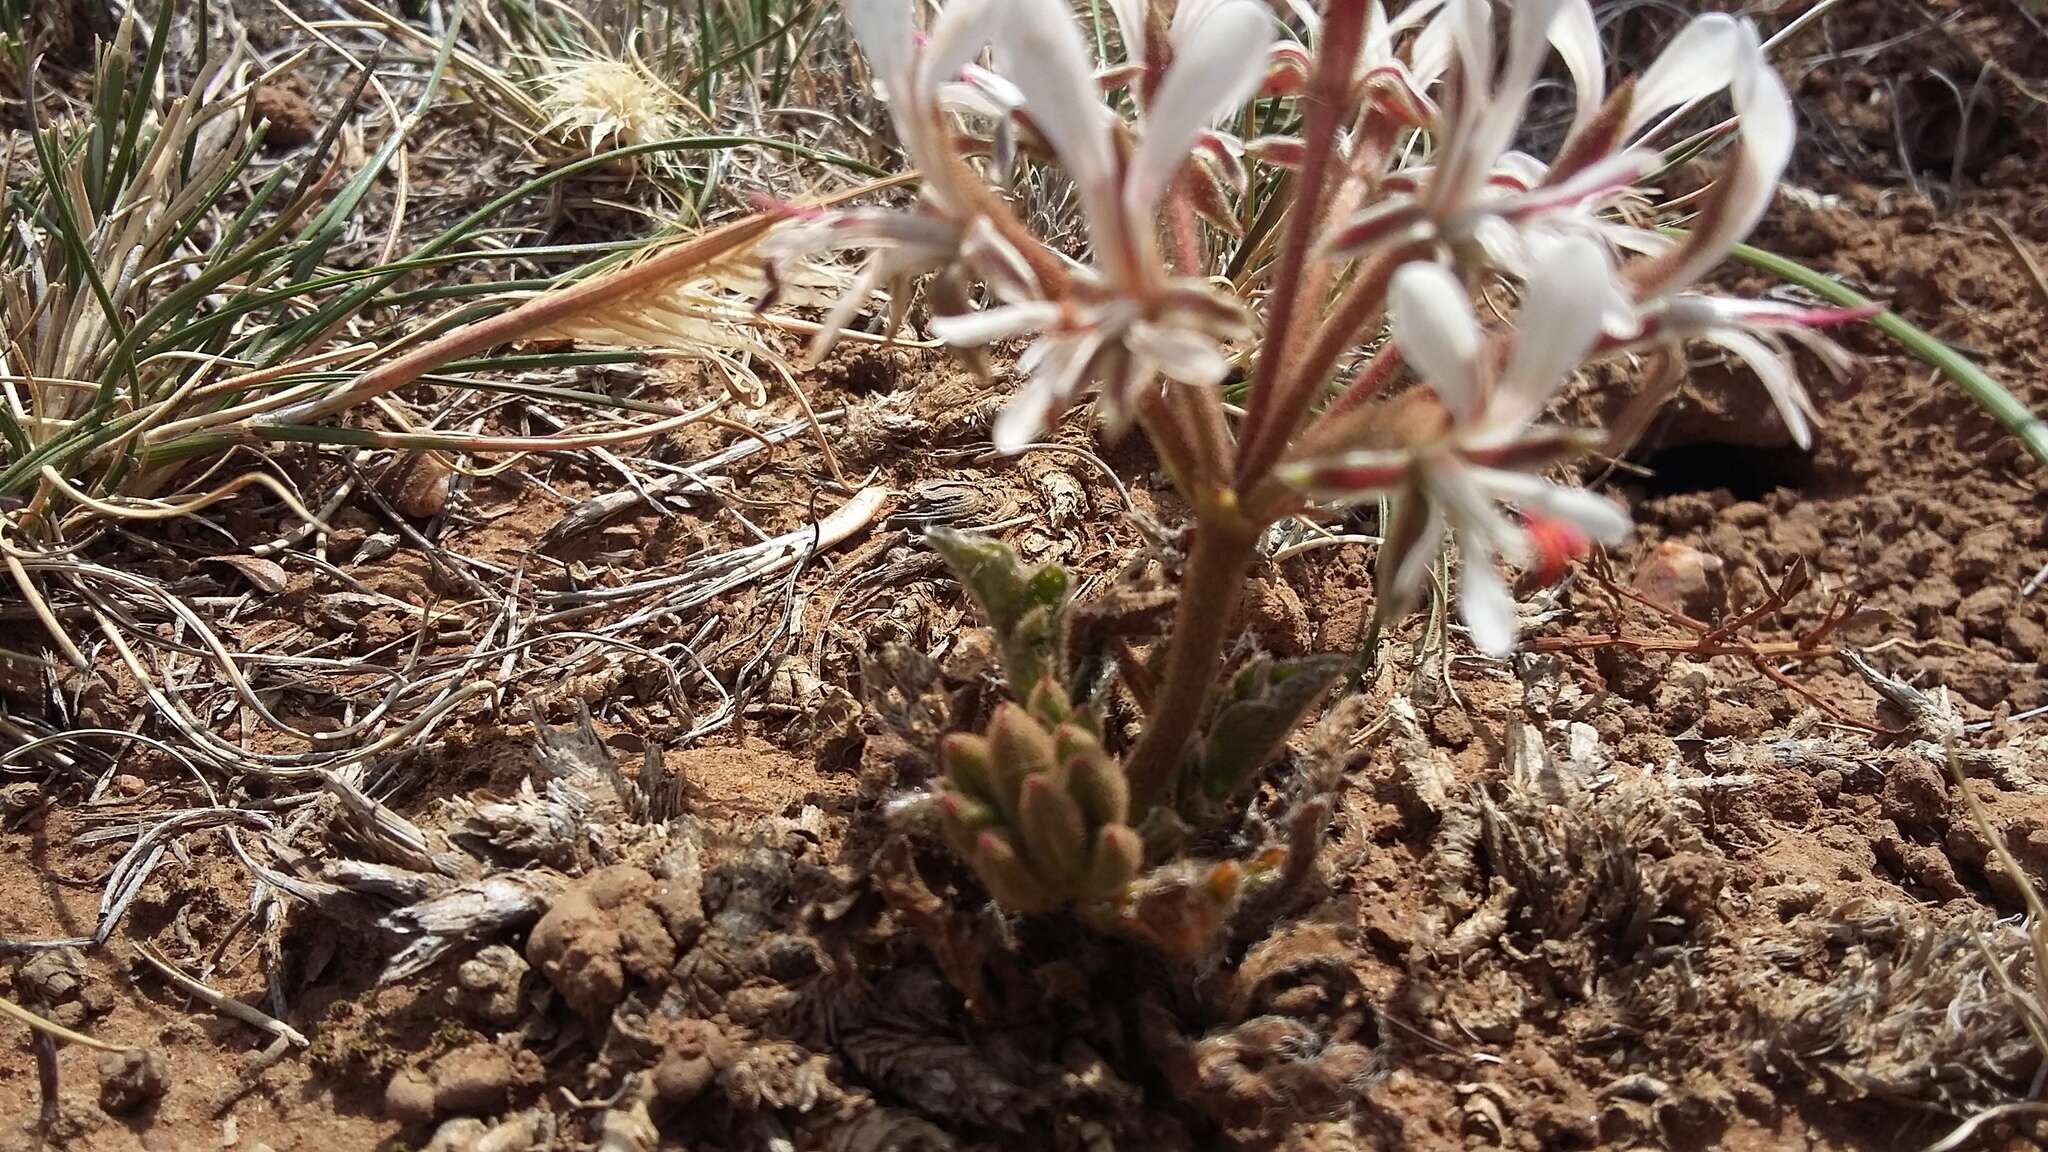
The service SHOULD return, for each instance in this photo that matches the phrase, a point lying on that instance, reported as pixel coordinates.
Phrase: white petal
(999, 262)
(1432, 320)
(1767, 126)
(996, 96)
(1699, 60)
(1054, 382)
(1041, 50)
(1562, 307)
(1501, 243)
(1485, 131)
(1186, 356)
(1217, 68)
(846, 308)
(961, 30)
(1598, 517)
(1577, 40)
(1469, 23)
(974, 328)
(1411, 15)
(1431, 53)
(1475, 516)
(888, 36)
(1023, 420)
(1484, 602)
(1778, 378)
(1410, 570)
(1130, 27)
(1378, 46)
(1188, 17)
(1595, 182)
(1767, 129)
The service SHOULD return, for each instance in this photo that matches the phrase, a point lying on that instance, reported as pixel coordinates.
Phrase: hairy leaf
(1262, 705)
(1027, 607)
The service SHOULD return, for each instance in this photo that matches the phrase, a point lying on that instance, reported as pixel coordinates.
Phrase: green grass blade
(2003, 406)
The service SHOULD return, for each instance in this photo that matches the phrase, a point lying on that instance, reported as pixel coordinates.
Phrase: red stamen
(1556, 543)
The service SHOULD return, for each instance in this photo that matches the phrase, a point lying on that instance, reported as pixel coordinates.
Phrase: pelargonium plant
(1310, 201)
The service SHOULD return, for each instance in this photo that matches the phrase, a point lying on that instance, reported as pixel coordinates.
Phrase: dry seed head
(618, 101)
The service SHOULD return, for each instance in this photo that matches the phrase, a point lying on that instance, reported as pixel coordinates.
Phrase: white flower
(1472, 443)
(1124, 321)
(1479, 202)
(1755, 331)
(1712, 53)
(916, 75)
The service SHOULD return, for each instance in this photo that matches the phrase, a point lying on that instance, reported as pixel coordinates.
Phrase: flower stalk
(1357, 267)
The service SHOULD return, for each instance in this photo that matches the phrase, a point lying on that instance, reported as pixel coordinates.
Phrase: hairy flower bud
(969, 766)
(1008, 878)
(962, 818)
(1054, 832)
(1019, 748)
(1098, 784)
(1118, 855)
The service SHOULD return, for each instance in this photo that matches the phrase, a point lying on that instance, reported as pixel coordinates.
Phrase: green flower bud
(962, 818)
(967, 760)
(1054, 832)
(1019, 747)
(1115, 861)
(1098, 784)
(1007, 877)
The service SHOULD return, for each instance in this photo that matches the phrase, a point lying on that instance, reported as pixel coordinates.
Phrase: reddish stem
(1343, 29)
(1370, 382)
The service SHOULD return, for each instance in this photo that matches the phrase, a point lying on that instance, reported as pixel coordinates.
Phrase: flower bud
(1114, 862)
(962, 818)
(1049, 703)
(966, 758)
(1098, 784)
(1007, 877)
(1019, 748)
(1055, 835)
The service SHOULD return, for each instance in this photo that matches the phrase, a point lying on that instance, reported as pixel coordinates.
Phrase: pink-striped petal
(1039, 47)
(1350, 476)
(1576, 38)
(1218, 65)
(1391, 220)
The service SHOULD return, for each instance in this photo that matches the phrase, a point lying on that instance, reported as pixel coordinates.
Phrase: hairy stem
(1210, 588)
(1343, 30)
(1360, 306)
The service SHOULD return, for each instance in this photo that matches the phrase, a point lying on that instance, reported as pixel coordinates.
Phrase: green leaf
(1026, 607)
(1261, 707)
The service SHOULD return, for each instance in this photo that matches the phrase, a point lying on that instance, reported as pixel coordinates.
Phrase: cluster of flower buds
(1038, 809)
